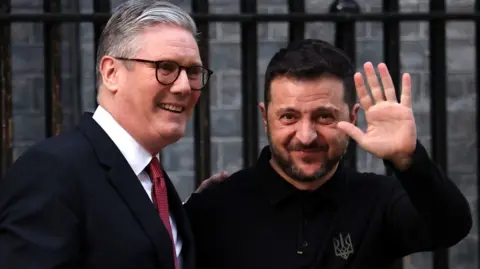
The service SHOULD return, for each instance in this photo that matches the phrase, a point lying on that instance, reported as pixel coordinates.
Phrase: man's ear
(109, 71)
(354, 114)
(263, 109)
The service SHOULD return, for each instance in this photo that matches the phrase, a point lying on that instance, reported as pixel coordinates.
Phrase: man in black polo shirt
(299, 206)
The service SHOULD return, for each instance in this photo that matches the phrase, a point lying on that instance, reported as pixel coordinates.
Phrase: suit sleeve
(38, 218)
(426, 211)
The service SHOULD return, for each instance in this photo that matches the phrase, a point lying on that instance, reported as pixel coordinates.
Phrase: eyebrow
(326, 108)
(188, 63)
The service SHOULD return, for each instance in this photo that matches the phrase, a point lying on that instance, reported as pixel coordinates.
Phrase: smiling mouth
(172, 108)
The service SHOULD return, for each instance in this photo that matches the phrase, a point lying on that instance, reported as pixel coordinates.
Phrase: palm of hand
(391, 132)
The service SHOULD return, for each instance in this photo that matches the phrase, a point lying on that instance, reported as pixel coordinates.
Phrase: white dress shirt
(137, 157)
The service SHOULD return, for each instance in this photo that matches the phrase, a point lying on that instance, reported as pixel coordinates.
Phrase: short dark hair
(311, 59)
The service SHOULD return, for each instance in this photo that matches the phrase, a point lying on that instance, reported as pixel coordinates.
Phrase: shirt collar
(280, 191)
(137, 157)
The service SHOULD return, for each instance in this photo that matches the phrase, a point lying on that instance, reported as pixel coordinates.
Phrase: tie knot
(154, 170)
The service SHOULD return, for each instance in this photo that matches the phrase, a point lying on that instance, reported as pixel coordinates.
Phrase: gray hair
(130, 19)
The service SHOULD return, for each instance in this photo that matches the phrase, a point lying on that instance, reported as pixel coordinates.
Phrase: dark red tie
(160, 198)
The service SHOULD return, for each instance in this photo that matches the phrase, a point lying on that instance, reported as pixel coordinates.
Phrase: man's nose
(182, 84)
(306, 133)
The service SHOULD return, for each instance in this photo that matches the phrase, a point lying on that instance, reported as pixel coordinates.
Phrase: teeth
(171, 107)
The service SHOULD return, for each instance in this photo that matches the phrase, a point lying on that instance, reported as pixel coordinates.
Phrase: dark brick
(27, 59)
(225, 7)
(28, 127)
(180, 156)
(459, 56)
(461, 125)
(320, 30)
(414, 54)
(184, 183)
(278, 31)
(460, 30)
(225, 56)
(23, 95)
(229, 32)
(22, 33)
(232, 152)
(231, 94)
(369, 51)
(462, 156)
(410, 30)
(422, 121)
(361, 30)
(226, 123)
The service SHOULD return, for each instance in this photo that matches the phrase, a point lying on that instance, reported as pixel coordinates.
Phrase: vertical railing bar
(6, 88)
(202, 113)
(99, 6)
(249, 85)
(296, 30)
(391, 52)
(391, 44)
(75, 55)
(438, 110)
(52, 62)
(345, 39)
(477, 97)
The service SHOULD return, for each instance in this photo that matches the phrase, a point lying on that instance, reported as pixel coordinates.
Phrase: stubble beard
(294, 172)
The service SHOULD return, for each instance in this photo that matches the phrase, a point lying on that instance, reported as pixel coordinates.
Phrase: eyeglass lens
(167, 72)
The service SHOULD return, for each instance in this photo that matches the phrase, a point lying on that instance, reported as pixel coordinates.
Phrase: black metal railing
(344, 13)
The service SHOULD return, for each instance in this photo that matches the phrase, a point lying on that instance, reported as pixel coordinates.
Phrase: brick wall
(78, 91)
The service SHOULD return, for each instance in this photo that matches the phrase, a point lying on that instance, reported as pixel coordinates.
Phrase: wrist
(402, 163)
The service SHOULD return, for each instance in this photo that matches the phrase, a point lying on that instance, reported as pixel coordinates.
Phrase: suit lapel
(182, 223)
(129, 188)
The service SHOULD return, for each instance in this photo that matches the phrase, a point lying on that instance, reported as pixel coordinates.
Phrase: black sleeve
(38, 222)
(200, 208)
(426, 211)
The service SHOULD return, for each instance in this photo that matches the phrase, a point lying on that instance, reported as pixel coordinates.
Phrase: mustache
(312, 147)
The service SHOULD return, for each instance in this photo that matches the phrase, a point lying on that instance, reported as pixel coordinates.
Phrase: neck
(304, 186)
(143, 137)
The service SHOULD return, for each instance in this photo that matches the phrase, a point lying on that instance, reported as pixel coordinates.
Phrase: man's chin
(304, 175)
(172, 132)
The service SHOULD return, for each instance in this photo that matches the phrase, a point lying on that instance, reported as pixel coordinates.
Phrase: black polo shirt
(256, 219)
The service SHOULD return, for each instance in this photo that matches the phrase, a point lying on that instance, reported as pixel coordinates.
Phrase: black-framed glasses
(168, 71)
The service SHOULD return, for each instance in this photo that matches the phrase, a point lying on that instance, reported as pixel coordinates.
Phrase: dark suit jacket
(72, 201)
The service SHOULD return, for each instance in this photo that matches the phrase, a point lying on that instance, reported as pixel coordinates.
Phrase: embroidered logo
(343, 246)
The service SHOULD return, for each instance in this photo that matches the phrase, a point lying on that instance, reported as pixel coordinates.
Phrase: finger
(363, 96)
(406, 97)
(389, 88)
(351, 130)
(219, 177)
(373, 82)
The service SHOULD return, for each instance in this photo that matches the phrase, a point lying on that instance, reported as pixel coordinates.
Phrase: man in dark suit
(97, 197)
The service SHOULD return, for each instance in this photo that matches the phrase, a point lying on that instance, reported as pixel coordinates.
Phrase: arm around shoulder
(39, 223)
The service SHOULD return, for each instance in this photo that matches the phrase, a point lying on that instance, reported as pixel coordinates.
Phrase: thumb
(351, 130)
